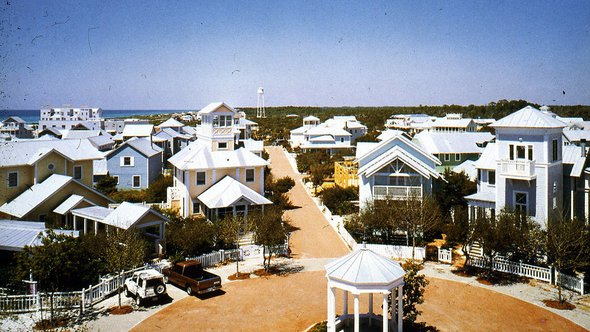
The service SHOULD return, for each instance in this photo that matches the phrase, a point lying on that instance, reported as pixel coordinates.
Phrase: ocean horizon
(32, 116)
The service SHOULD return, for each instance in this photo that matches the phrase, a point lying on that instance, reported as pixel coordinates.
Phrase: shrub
(337, 199)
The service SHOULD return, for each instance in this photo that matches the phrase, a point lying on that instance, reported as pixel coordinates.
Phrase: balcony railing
(518, 169)
(396, 192)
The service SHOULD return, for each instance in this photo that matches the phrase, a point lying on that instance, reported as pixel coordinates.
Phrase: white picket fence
(396, 252)
(546, 274)
(245, 252)
(445, 255)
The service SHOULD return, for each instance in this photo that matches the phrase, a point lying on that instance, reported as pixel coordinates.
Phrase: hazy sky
(183, 55)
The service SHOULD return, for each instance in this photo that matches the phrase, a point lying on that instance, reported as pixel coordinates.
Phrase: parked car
(191, 276)
(145, 285)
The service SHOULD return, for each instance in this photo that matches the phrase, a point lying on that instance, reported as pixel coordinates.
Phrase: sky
(186, 54)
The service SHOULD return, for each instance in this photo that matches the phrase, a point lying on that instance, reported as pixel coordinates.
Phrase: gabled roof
(73, 134)
(25, 151)
(141, 145)
(138, 130)
(102, 140)
(228, 191)
(171, 123)
(173, 133)
(198, 155)
(214, 106)
(451, 123)
(365, 267)
(189, 130)
(15, 235)
(576, 135)
(466, 142)
(389, 133)
(253, 145)
(396, 153)
(528, 117)
(366, 148)
(322, 138)
(488, 157)
(39, 193)
(14, 119)
(311, 118)
(468, 167)
(70, 203)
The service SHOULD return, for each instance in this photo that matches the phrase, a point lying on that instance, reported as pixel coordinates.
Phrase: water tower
(260, 112)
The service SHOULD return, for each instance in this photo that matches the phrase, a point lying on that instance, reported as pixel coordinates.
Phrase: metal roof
(572, 154)
(70, 203)
(365, 267)
(26, 152)
(143, 146)
(228, 191)
(467, 142)
(138, 130)
(124, 216)
(528, 117)
(171, 123)
(212, 107)
(484, 196)
(15, 235)
(488, 157)
(468, 167)
(198, 155)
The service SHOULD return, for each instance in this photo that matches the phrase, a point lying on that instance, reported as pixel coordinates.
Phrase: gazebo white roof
(365, 269)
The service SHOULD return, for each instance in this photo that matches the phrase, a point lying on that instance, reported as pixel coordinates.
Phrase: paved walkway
(315, 237)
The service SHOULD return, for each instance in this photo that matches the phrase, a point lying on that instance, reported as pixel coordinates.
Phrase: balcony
(396, 192)
(518, 169)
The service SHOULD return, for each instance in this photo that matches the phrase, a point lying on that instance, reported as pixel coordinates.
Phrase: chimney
(583, 146)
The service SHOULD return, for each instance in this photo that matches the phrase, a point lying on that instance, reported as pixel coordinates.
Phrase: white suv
(145, 284)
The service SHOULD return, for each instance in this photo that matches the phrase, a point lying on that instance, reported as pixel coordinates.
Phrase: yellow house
(215, 175)
(26, 163)
(345, 173)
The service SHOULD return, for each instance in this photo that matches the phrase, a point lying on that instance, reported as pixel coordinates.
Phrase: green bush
(337, 199)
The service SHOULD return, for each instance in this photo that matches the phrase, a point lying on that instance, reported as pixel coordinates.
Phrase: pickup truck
(191, 276)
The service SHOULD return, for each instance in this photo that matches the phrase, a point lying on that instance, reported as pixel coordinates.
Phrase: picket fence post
(582, 284)
(83, 300)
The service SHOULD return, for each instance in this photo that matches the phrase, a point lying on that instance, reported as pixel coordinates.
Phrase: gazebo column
(331, 309)
(370, 309)
(400, 308)
(345, 306)
(356, 313)
(385, 310)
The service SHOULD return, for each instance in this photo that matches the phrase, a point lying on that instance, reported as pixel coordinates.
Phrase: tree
(56, 264)
(414, 286)
(107, 185)
(453, 205)
(375, 223)
(337, 199)
(157, 190)
(317, 174)
(567, 245)
(124, 249)
(231, 229)
(190, 236)
(418, 216)
(270, 231)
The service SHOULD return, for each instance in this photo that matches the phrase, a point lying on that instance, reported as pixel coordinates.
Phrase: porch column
(370, 309)
(95, 227)
(385, 310)
(161, 231)
(75, 226)
(345, 305)
(356, 313)
(400, 308)
(331, 309)
(85, 226)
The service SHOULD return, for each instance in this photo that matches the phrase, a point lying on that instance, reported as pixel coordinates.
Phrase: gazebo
(365, 272)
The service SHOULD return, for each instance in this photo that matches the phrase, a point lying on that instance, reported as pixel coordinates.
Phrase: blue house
(135, 163)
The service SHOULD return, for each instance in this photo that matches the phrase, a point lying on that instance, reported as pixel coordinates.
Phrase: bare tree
(231, 229)
(124, 249)
(567, 245)
(417, 216)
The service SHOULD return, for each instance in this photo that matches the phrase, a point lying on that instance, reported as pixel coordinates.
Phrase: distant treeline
(374, 117)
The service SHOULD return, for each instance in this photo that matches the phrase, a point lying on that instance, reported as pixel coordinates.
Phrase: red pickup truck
(191, 276)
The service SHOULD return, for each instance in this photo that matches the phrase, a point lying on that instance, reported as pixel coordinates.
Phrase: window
(249, 175)
(50, 167)
(200, 178)
(479, 175)
(341, 139)
(116, 178)
(77, 172)
(12, 179)
(521, 202)
(196, 207)
(447, 156)
(457, 157)
(511, 148)
(127, 161)
(530, 152)
(222, 145)
(492, 177)
(554, 151)
(136, 181)
(520, 152)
